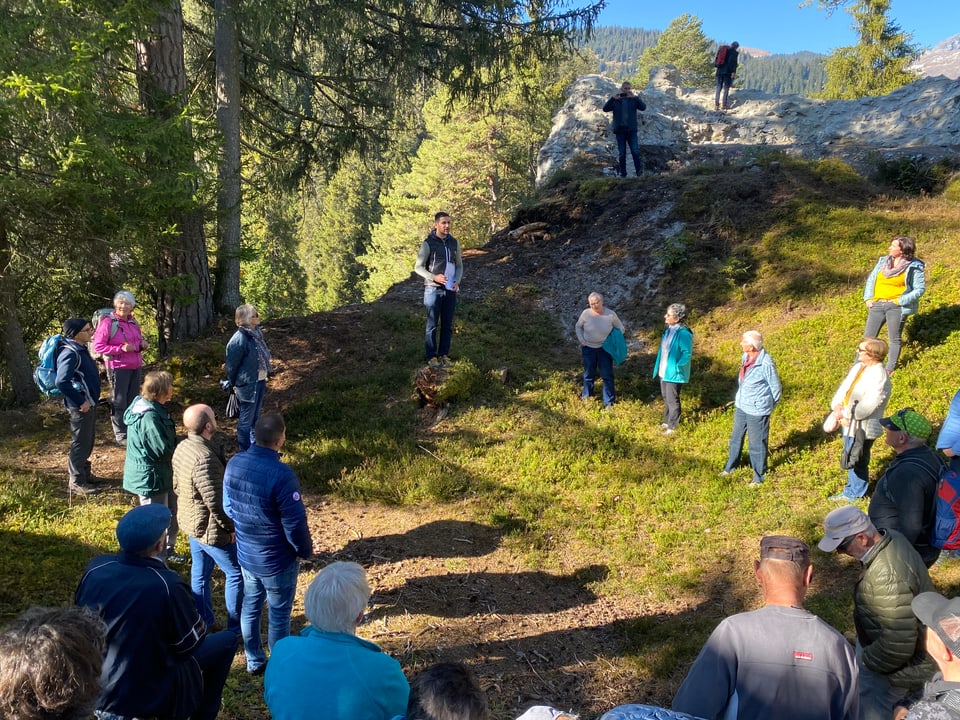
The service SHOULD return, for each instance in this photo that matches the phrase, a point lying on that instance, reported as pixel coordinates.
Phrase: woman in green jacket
(151, 438)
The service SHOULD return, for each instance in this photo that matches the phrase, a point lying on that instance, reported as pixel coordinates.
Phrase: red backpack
(721, 59)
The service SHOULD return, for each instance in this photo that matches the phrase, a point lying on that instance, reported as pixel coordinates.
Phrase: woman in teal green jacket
(673, 364)
(151, 438)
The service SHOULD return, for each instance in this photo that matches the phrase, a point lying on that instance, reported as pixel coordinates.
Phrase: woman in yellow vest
(892, 292)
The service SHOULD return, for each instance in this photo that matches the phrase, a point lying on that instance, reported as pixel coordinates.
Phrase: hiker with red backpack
(726, 62)
(119, 341)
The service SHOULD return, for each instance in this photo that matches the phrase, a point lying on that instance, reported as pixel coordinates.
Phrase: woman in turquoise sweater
(672, 365)
(327, 671)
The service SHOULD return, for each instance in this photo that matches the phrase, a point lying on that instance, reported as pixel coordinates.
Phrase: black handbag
(854, 451)
(233, 405)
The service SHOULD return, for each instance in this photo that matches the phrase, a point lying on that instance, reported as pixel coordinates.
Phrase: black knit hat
(74, 325)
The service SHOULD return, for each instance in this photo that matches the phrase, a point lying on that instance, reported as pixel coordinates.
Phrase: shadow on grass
(933, 328)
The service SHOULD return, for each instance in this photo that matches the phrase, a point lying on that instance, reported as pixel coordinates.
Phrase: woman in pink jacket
(119, 340)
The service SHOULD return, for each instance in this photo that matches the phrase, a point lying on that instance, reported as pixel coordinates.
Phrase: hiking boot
(445, 361)
(434, 362)
(79, 487)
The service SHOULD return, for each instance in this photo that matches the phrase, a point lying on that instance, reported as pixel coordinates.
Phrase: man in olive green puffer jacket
(890, 648)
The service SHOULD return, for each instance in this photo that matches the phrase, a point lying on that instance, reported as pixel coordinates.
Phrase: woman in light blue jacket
(672, 365)
(893, 292)
(758, 393)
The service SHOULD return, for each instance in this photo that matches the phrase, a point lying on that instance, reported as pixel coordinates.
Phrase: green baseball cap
(909, 421)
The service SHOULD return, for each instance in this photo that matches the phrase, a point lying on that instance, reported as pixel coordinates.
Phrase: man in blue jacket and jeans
(262, 497)
(625, 107)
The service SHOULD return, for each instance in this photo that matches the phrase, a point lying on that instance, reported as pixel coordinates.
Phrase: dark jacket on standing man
(624, 111)
(904, 499)
(730, 63)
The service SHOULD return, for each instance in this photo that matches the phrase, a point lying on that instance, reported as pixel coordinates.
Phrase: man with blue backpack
(78, 380)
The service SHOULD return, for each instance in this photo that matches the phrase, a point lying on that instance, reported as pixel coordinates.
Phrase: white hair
(754, 338)
(337, 597)
(594, 296)
(243, 314)
(126, 295)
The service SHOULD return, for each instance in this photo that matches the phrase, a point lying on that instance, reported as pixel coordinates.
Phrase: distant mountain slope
(942, 59)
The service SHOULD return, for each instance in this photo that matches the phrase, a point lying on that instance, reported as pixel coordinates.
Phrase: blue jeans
(441, 305)
(889, 313)
(249, 414)
(623, 139)
(598, 359)
(858, 477)
(757, 430)
(203, 558)
(278, 592)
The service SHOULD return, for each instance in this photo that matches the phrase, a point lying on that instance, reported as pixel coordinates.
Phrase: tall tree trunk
(14, 351)
(227, 61)
(184, 297)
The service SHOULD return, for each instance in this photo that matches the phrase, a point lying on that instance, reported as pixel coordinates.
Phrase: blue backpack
(946, 524)
(45, 376)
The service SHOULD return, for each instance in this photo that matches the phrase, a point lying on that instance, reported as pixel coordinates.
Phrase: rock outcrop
(680, 124)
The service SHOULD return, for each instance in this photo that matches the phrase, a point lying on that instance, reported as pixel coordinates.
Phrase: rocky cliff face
(680, 125)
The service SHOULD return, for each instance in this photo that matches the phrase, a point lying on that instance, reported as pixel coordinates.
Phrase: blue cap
(140, 528)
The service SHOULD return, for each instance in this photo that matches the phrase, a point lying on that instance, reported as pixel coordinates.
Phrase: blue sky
(780, 26)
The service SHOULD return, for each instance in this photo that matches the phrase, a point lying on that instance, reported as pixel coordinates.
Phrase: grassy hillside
(783, 247)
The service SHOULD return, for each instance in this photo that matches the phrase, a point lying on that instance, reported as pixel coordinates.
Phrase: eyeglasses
(847, 542)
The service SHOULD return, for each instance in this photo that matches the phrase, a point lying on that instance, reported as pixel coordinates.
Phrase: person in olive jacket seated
(890, 651)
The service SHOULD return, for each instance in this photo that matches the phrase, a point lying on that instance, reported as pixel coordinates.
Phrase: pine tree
(878, 64)
(684, 46)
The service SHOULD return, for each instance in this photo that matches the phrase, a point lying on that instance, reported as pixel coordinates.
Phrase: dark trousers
(624, 138)
(83, 430)
(214, 656)
(757, 430)
(671, 403)
(724, 82)
(889, 313)
(126, 386)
